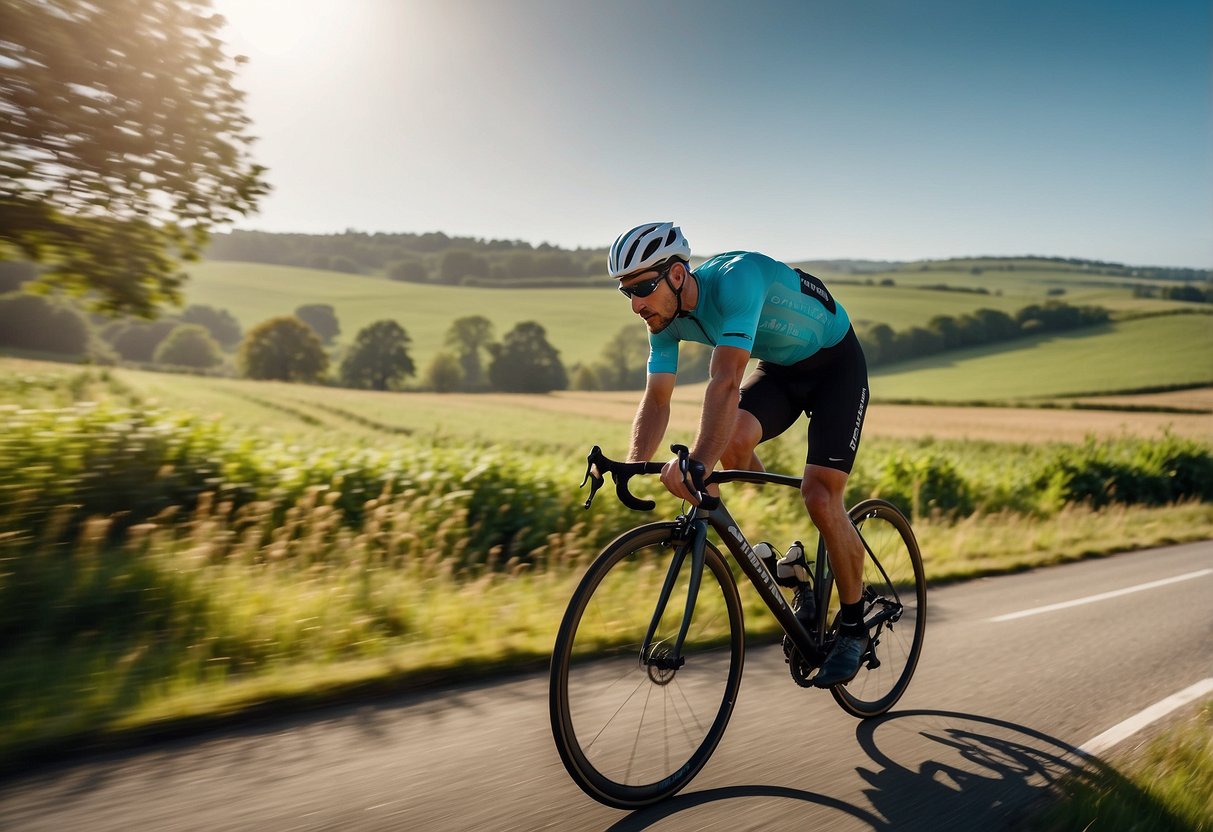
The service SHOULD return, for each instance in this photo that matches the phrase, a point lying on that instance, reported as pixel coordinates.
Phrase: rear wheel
(895, 606)
(630, 731)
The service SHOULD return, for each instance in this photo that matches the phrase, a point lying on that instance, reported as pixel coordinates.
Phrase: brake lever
(592, 474)
(596, 463)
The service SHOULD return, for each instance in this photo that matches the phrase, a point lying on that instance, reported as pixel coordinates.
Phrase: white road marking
(1103, 596)
(1135, 723)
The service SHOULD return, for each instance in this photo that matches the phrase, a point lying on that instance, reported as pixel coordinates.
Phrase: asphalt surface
(992, 717)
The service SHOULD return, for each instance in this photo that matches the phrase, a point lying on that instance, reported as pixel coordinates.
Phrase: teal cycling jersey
(750, 301)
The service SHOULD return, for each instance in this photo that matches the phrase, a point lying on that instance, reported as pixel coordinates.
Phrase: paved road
(991, 718)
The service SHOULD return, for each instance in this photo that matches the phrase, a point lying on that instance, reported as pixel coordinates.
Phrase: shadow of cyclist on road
(933, 770)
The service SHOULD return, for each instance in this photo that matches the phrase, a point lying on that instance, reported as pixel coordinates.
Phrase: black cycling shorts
(830, 386)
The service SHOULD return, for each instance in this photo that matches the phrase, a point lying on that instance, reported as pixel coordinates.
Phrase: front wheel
(630, 730)
(895, 607)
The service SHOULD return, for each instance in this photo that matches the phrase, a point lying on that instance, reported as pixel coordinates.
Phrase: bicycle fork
(661, 659)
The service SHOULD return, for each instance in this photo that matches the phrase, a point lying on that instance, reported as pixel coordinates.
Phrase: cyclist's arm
(719, 404)
(652, 417)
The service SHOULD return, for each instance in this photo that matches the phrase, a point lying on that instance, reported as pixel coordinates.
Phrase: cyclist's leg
(838, 399)
(765, 410)
(823, 490)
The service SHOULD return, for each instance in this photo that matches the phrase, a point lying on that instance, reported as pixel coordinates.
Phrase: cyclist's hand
(672, 479)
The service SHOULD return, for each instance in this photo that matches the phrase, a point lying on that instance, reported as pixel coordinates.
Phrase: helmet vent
(646, 247)
(631, 251)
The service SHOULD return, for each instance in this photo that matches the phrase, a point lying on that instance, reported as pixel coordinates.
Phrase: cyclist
(746, 304)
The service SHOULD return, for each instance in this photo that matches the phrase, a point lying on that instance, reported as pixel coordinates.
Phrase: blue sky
(866, 129)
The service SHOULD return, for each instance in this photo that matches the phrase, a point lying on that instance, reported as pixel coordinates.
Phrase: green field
(579, 321)
(1018, 277)
(1128, 355)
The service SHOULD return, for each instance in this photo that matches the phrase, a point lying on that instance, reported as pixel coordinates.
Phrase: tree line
(432, 257)
(882, 345)
(1190, 292)
(301, 347)
(976, 265)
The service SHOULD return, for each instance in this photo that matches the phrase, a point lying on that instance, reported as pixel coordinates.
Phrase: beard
(658, 322)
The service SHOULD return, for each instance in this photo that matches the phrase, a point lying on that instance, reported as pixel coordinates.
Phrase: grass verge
(217, 640)
(1165, 786)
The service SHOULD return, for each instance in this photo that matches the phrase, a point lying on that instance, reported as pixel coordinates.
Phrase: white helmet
(646, 246)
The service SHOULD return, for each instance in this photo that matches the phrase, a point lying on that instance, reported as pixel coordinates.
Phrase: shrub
(222, 325)
(189, 345)
(922, 484)
(282, 349)
(137, 340)
(1100, 473)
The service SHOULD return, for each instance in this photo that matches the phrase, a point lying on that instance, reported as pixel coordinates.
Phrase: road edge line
(1127, 728)
(1103, 596)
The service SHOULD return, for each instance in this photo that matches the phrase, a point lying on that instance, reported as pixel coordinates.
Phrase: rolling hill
(579, 321)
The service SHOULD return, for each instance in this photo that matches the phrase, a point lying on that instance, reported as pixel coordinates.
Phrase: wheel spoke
(621, 744)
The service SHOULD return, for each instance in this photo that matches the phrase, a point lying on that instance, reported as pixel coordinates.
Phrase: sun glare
(277, 28)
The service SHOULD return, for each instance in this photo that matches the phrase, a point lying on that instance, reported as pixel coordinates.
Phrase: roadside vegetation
(1165, 786)
(161, 565)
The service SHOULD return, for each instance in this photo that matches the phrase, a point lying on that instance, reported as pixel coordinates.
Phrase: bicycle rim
(893, 577)
(630, 734)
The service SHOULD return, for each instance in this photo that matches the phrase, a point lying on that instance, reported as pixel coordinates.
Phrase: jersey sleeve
(740, 294)
(663, 352)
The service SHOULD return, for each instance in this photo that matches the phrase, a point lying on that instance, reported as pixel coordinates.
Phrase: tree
(459, 263)
(524, 362)
(137, 340)
(444, 375)
(469, 337)
(408, 269)
(32, 322)
(947, 329)
(122, 143)
(189, 345)
(221, 324)
(877, 340)
(584, 378)
(624, 361)
(379, 358)
(285, 349)
(322, 318)
(554, 264)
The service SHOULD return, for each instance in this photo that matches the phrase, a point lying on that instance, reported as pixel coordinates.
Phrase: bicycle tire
(597, 652)
(898, 645)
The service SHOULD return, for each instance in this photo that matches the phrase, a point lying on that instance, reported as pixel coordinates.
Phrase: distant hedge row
(1041, 479)
(59, 467)
(883, 345)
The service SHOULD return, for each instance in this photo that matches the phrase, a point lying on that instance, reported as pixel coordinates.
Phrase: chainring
(797, 665)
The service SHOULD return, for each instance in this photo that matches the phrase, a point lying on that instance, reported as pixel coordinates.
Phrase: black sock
(850, 620)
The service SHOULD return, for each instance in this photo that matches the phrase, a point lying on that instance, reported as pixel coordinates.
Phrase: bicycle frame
(718, 518)
(811, 644)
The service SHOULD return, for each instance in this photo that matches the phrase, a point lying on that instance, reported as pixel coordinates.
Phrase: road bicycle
(647, 662)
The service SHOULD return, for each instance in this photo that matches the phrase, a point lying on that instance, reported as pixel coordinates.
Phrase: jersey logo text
(814, 288)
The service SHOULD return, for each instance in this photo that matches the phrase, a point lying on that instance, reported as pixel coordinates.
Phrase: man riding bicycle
(746, 304)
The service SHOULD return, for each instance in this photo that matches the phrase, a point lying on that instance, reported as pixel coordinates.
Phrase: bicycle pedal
(873, 662)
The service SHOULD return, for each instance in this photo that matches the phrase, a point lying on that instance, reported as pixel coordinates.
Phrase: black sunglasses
(646, 287)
